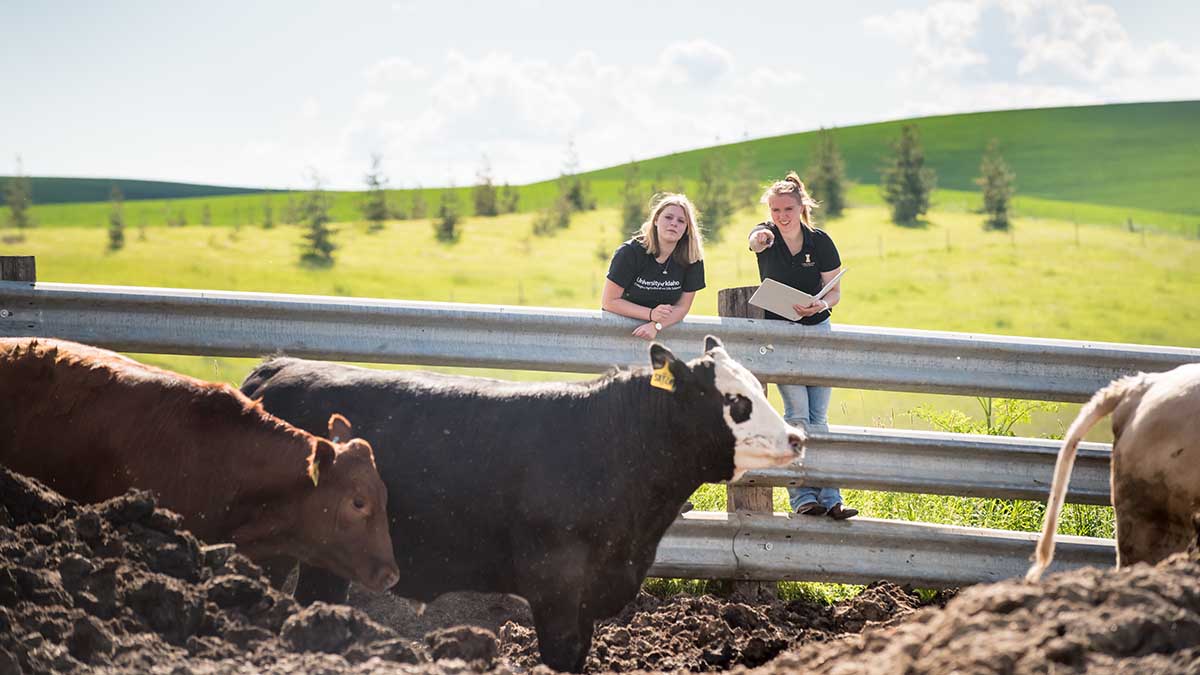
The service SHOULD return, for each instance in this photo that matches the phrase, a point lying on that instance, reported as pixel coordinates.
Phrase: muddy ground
(118, 587)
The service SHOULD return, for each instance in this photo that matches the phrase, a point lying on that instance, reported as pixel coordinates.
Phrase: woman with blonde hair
(654, 276)
(793, 252)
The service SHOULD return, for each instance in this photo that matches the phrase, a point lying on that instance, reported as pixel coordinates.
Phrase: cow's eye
(739, 407)
(360, 503)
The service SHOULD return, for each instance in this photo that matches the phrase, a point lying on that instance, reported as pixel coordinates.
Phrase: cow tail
(1102, 403)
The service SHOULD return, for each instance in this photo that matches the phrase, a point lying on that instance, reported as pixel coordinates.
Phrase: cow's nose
(796, 441)
(388, 577)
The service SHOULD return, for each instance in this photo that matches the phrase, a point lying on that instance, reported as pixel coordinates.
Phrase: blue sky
(258, 93)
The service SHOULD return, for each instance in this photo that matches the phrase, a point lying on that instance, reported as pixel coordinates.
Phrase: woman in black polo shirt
(654, 276)
(791, 251)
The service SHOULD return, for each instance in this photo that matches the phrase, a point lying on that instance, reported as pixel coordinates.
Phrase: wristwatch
(657, 325)
(827, 307)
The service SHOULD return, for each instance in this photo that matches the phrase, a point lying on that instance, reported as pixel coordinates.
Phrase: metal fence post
(734, 302)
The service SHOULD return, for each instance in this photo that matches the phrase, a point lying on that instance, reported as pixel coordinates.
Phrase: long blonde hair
(690, 247)
(792, 185)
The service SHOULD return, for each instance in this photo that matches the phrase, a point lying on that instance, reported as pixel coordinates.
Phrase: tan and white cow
(1155, 465)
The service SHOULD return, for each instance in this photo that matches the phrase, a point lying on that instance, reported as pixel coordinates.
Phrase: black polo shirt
(801, 271)
(648, 282)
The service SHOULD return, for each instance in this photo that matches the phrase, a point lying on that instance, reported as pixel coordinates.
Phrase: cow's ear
(660, 355)
(340, 429)
(711, 342)
(320, 459)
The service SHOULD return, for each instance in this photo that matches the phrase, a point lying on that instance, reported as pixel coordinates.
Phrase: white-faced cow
(1155, 465)
(91, 424)
(557, 492)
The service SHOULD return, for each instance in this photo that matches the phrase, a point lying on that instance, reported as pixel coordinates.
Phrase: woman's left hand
(815, 307)
(646, 331)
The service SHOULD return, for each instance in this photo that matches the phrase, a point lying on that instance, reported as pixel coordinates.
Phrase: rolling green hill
(1071, 163)
(56, 190)
(1142, 155)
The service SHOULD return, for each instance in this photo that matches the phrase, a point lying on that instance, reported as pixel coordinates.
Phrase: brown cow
(1155, 465)
(91, 424)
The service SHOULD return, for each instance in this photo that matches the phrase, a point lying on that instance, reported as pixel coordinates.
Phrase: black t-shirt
(648, 282)
(801, 271)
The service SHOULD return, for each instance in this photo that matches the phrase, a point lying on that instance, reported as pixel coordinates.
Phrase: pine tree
(712, 197)
(484, 192)
(396, 210)
(553, 218)
(576, 190)
(178, 218)
(827, 175)
(510, 199)
(291, 212)
(317, 247)
(996, 182)
(907, 182)
(579, 194)
(116, 220)
(268, 214)
(419, 208)
(445, 226)
(633, 200)
(18, 195)
(374, 206)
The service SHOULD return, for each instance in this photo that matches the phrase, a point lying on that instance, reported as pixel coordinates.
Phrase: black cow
(557, 492)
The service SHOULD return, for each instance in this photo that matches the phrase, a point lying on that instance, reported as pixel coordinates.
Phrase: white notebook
(779, 298)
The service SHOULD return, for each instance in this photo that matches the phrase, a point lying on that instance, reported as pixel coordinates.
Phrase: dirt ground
(118, 587)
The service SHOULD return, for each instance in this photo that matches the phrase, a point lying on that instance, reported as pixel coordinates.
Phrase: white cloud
(765, 79)
(697, 63)
(310, 108)
(433, 122)
(522, 112)
(395, 71)
(939, 36)
(1087, 42)
(1068, 52)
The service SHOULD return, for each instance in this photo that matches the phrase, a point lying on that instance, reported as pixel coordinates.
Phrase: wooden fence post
(17, 268)
(735, 302)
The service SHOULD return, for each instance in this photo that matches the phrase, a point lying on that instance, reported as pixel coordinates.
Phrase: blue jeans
(808, 406)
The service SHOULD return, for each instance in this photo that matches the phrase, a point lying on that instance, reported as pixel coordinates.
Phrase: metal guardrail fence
(744, 545)
(772, 547)
(966, 465)
(392, 331)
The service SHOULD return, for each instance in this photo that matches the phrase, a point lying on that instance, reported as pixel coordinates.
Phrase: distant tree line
(722, 187)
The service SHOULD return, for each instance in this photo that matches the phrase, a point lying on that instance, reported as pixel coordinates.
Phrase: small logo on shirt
(657, 285)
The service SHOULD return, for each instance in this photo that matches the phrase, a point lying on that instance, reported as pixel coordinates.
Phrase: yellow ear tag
(662, 378)
(314, 472)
